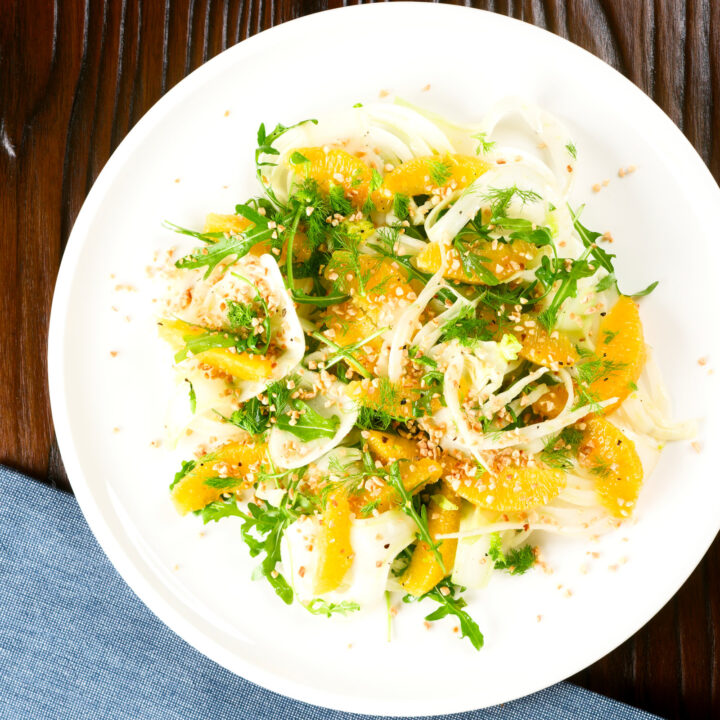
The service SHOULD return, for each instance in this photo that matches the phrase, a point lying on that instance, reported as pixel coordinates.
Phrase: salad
(407, 358)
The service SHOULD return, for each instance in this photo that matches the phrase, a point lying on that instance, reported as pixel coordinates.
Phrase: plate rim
(111, 544)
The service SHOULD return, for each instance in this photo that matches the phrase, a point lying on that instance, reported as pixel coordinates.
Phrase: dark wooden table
(76, 75)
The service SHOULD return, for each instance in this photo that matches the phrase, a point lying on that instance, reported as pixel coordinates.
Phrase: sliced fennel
(366, 580)
(472, 565)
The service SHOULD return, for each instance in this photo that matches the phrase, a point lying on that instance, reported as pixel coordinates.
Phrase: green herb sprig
(516, 561)
(419, 517)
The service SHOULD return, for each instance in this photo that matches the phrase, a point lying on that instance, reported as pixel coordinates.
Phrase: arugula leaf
(472, 262)
(567, 272)
(251, 417)
(265, 142)
(309, 425)
(646, 291)
(193, 397)
(219, 339)
(254, 416)
(516, 561)
(408, 507)
(185, 467)
(452, 604)
(588, 238)
(298, 158)
(318, 606)
(604, 258)
(538, 236)
(220, 245)
(218, 510)
(606, 283)
(262, 531)
(224, 483)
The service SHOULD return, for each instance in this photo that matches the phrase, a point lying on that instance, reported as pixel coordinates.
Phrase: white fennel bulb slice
(288, 450)
(479, 194)
(473, 567)
(285, 325)
(375, 542)
(207, 305)
(549, 131)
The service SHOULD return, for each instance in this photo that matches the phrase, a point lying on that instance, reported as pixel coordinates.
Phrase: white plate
(188, 156)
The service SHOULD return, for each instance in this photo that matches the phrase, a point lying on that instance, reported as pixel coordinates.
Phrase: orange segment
(384, 287)
(231, 224)
(380, 278)
(231, 468)
(503, 261)
(415, 472)
(513, 488)
(389, 447)
(234, 224)
(543, 348)
(350, 324)
(551, 403)
(382, 397)
(335, 554)
(380, 497)
(423, 175)
(336, 167)
(424, 571)
(622, 344)
(244, 366)
(611, 456)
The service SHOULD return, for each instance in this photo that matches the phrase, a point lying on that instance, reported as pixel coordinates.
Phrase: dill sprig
(500, 199)
(484, 145)
(560, 449)
(440, 171)
(516, 561)
(467, 328)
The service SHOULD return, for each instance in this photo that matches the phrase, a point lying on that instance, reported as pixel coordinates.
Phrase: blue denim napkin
(76, 644)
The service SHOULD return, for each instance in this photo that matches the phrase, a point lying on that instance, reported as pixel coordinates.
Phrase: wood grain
(76, 76)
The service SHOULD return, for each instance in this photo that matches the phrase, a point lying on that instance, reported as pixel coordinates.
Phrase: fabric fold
(77, 644)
